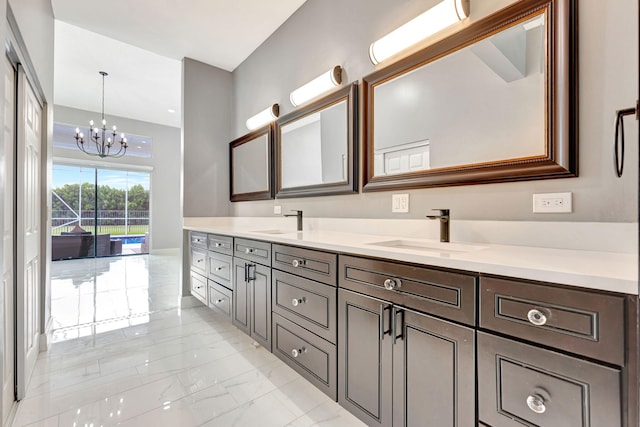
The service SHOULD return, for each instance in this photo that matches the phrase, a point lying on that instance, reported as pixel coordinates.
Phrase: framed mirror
(251, 166)
(494, 102)
(316, 147)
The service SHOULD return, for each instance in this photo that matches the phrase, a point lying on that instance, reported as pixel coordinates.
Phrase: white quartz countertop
(609, 271)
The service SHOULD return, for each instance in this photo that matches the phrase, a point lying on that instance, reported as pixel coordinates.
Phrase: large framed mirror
(251, 165)
(494, 102)
(316, 147)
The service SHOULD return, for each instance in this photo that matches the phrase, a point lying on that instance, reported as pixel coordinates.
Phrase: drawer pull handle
(536, 404)
(218, 301)
(295, 352)
(296, 302)
(219, 268)
(248, 251)
(218, 245)
(199, 260)
(392, 284)
(537, 317)
(298, 263)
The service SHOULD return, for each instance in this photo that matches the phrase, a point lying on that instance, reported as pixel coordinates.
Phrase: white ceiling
(141, 48)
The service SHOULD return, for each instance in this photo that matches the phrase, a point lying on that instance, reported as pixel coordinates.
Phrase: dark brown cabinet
(198, 266)
(304, 299)
(403, 368)
(519, 384)
(252, 300)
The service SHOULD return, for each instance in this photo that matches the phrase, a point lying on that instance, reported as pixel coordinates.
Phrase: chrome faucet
(297, 214)
(444, 223)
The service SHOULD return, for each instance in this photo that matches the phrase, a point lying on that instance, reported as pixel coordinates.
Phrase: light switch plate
(400, 203)
(277, 210)
(552, 203)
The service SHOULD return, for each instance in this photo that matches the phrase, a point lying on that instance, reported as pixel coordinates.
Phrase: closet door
(7, 158)
(28, 228)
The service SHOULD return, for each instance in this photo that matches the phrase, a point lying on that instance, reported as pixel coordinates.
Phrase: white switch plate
(277, 210)
(400, 203)
(552, 203)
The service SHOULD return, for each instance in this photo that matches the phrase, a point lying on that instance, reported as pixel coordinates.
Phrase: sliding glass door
(99, 212)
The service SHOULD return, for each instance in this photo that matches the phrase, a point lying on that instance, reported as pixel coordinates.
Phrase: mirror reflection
(314, 148)
(250, 167)
(481, 104)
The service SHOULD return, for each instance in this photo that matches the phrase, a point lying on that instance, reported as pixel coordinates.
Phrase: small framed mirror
(495, 102)
(251, 166)
(316, 147)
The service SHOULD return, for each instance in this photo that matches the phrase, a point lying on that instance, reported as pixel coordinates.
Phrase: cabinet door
(433, 371)
(520, 384)
(241, 301)
(364, 358)
(259, 278)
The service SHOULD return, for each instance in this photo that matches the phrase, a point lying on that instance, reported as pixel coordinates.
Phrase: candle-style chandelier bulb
(102, 143)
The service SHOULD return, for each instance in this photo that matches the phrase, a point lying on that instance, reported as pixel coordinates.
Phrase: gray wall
(323, 33)
(166, 217)
(207, 108)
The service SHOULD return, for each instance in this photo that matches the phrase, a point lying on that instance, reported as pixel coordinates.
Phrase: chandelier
(101, 138)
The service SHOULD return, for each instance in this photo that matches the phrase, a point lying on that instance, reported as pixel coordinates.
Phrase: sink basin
(429, 246)
(273, 231)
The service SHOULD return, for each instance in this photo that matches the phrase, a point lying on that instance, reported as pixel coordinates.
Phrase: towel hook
(618, 146)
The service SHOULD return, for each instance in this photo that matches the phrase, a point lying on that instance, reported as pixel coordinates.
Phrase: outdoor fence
(114, 222)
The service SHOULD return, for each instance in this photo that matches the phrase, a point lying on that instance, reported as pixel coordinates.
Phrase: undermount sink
(429, 246)
(273, 231)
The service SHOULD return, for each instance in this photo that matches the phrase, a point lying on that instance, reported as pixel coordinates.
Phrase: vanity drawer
(580, 322)
(519, 384)
(198, 240)
(310, 356)
(310, 304)
(199, 287)
(312, 264)
(219, 243)
(442, 293)
(198, 259)
(220, 299)
(253, 250)
(220, 267)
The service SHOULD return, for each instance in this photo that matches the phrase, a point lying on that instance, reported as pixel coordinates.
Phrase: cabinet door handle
(298, 263)
(219, 301)
(394, 314)
(246, 274)
(251, 272)
(297, 301)
(535, 402)
(298, 352)
(381, 326)
(537, 317)
(392, 284)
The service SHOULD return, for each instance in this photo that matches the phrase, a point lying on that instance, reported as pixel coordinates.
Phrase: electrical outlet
(552, 203)
(277, 210)
(400, 203)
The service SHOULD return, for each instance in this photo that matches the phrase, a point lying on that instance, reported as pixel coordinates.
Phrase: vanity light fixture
(439, 17)
(265, 116)
(317, 86)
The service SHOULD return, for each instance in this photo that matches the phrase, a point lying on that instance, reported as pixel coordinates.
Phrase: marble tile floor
(125, 353)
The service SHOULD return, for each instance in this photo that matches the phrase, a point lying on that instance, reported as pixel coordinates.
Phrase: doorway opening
(99, 212)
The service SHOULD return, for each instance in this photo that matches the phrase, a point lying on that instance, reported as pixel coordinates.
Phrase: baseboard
(45, 337)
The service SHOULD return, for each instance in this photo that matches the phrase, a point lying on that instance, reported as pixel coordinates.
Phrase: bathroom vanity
(415, 332)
